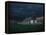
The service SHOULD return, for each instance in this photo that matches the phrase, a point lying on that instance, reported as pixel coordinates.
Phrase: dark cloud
(25, 10)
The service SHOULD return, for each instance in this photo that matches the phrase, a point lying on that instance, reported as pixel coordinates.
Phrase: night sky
(21, 11)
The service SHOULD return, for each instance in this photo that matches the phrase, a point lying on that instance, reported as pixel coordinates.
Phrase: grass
(27, 27)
